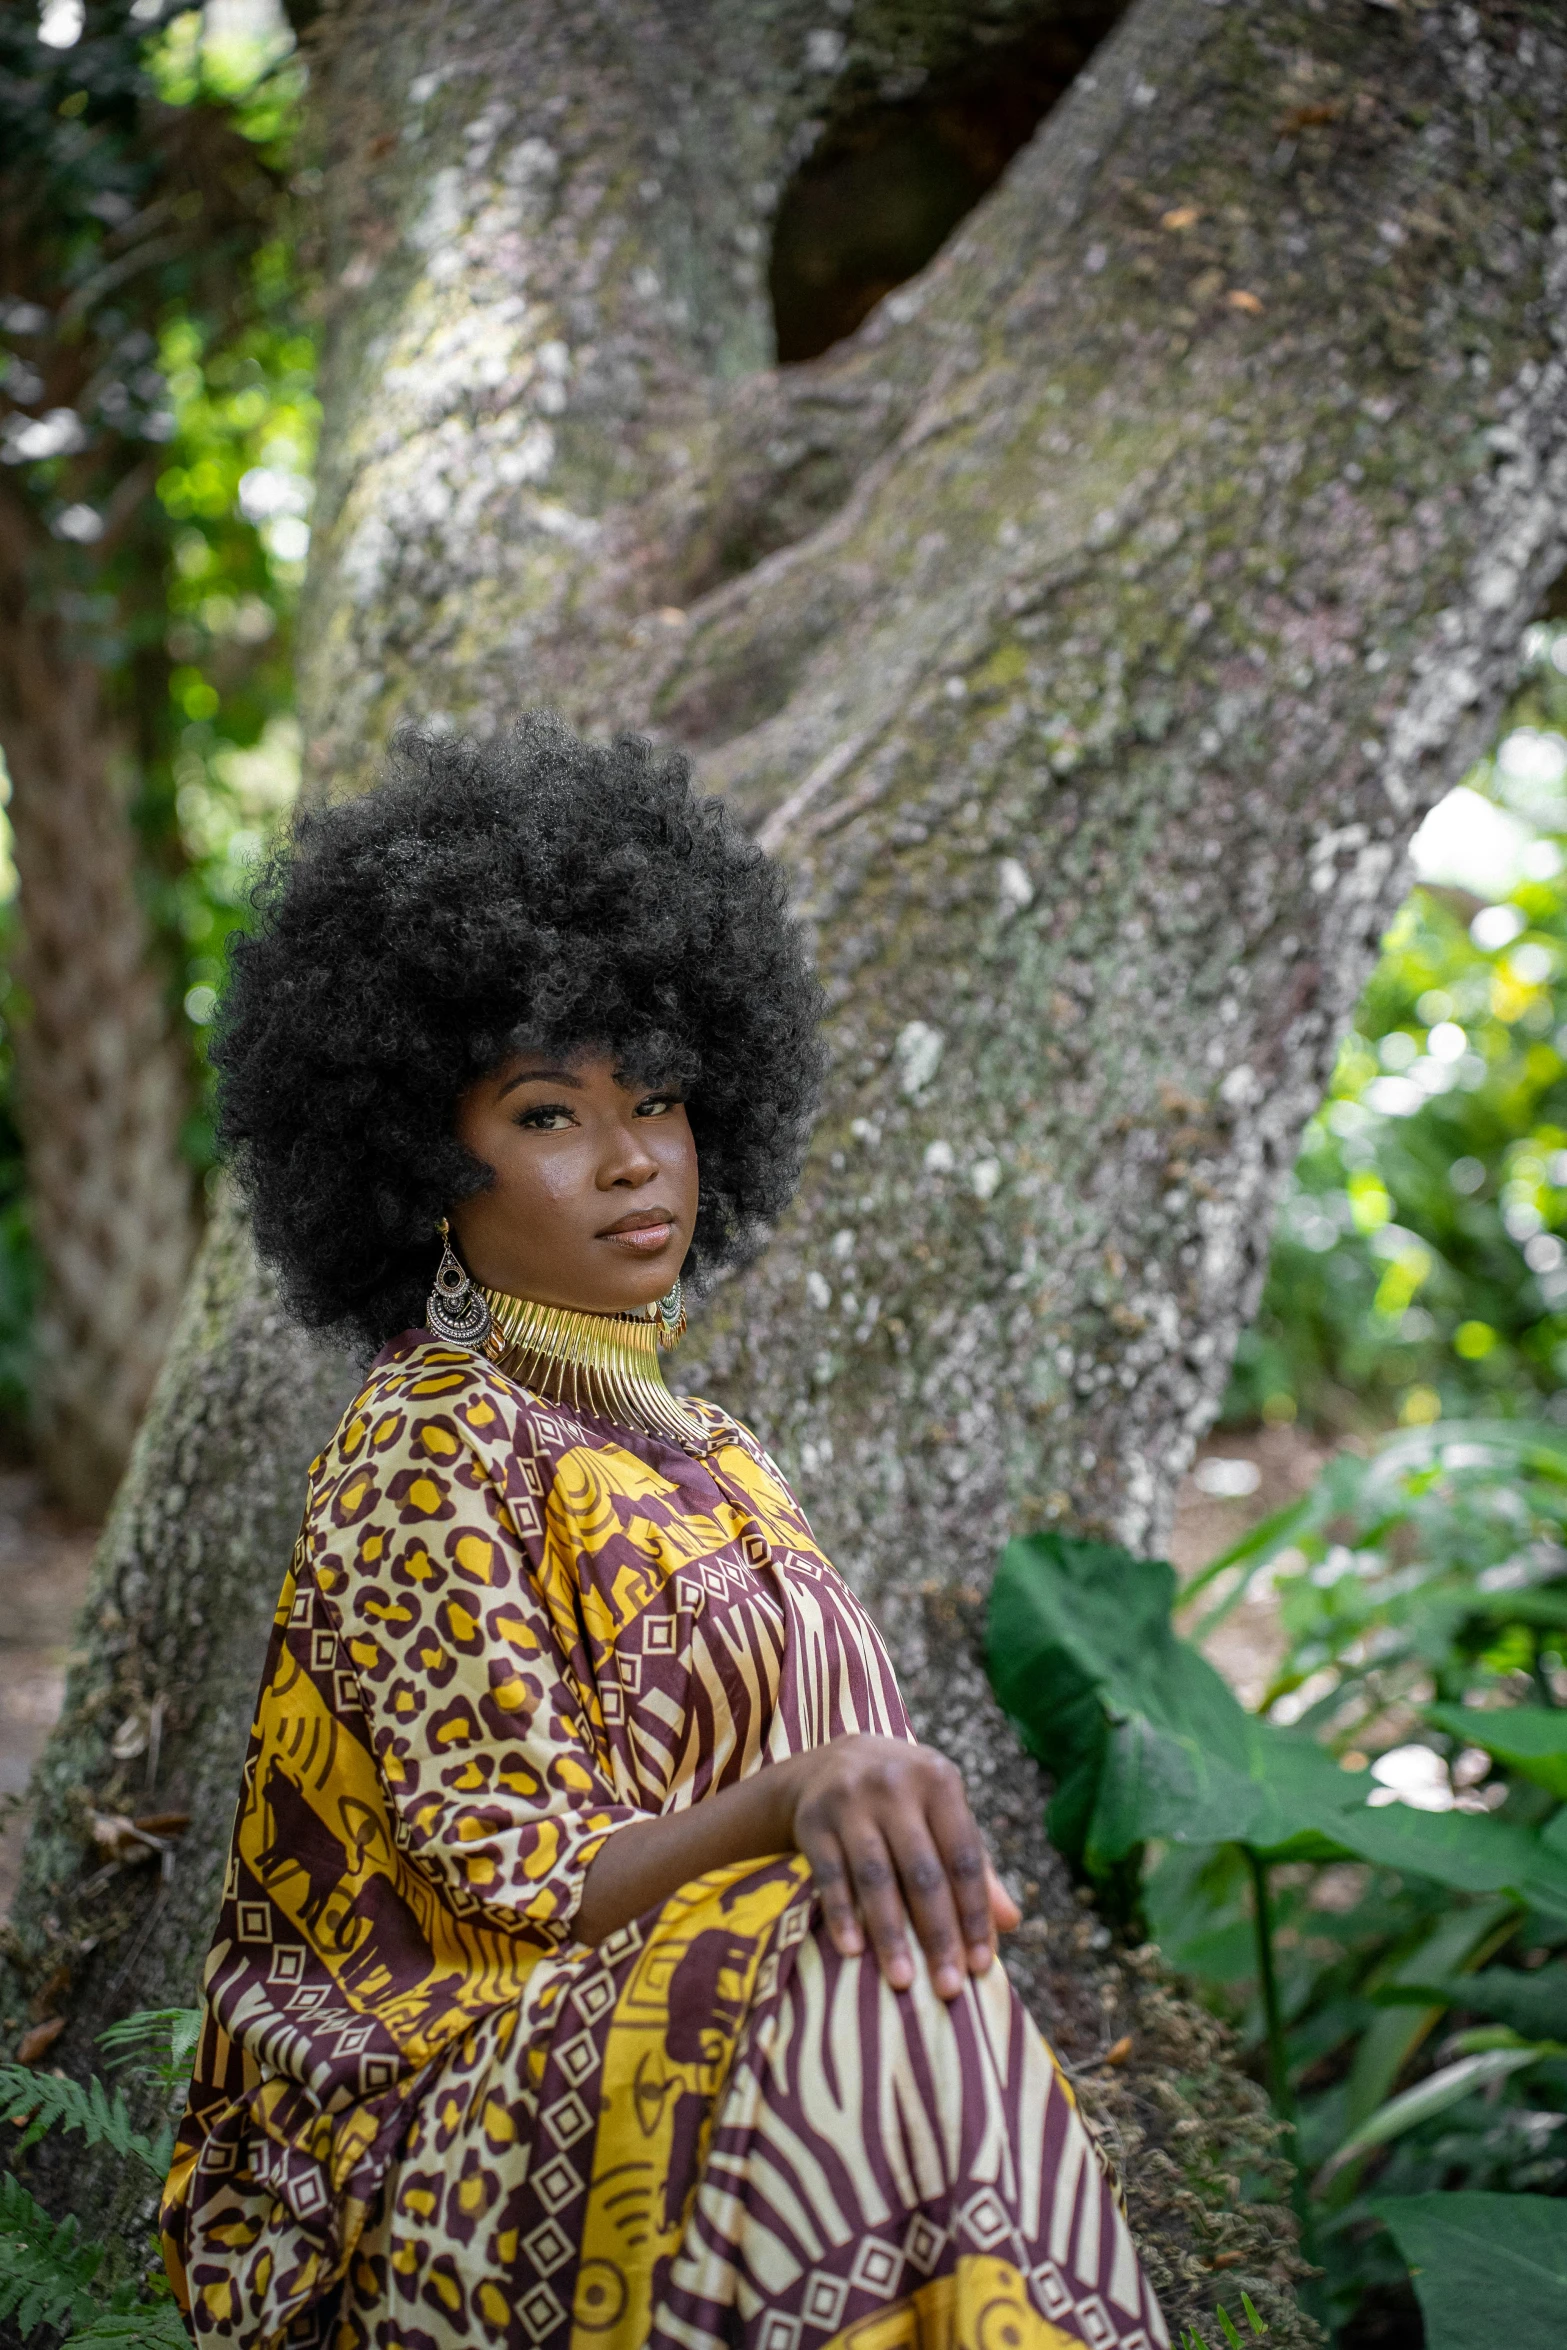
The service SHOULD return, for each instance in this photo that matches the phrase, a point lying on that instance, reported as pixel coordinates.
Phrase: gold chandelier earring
(669, 1315)
(457, 1310)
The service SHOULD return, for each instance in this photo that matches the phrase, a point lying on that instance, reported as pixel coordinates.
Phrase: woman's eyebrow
(539, 1076)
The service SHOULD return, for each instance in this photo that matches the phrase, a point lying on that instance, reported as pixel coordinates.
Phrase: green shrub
(1369, 1874)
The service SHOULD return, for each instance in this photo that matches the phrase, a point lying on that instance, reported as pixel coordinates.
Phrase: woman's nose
(628, 1160)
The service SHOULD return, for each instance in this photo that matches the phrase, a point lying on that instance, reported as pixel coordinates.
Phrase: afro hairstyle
(530, 889)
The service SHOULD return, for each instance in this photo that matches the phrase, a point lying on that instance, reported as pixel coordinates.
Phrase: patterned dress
(423, 2116)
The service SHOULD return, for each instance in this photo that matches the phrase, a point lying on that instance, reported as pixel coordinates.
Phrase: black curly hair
(531, 889)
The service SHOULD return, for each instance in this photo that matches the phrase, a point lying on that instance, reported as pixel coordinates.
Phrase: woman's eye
(657, 1105)
(548, 1118)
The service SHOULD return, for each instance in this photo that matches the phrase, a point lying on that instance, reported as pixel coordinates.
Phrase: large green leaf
(1145, 1739)
(1534, 2005)
(1528, 1738)
(1467, 1850)
(1083, 1657)
(1487, 2268)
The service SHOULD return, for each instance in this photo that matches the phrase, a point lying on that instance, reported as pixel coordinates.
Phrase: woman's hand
(891, 1841)
(886, 1828)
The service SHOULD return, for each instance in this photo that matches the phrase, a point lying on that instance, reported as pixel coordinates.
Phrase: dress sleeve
(476, 1716)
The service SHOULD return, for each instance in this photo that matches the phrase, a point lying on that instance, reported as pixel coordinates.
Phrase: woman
(601, 1961)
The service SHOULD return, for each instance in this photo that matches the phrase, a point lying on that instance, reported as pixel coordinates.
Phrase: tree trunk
(104, 1077)
(1088, 632)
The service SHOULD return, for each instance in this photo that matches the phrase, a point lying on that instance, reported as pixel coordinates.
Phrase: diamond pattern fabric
(424, 2116)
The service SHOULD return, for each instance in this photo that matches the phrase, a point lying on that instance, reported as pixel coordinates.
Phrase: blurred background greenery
(220, 554)
(1418, 1267)
(1410, 1607)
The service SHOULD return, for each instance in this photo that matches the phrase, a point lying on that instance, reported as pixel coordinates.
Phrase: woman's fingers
(892, 1844)
(854, 1875)
(1003, 1909)
(928, 1898)
(966, 1865)
(880, 1902)
(825, 1854)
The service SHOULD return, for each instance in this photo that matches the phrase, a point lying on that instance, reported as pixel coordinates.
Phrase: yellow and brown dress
(423, 2115)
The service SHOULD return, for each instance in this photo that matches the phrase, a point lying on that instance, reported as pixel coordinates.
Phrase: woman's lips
(643, 1235)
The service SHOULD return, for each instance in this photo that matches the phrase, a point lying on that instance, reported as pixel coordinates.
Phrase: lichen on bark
(1088, 634)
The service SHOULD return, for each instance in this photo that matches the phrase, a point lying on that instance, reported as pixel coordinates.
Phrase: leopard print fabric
(423, 2116)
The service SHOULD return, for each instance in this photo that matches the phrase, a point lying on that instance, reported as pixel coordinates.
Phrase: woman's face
(595, 1185)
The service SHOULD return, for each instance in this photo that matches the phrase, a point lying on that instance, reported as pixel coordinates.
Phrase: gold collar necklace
(606, 1364)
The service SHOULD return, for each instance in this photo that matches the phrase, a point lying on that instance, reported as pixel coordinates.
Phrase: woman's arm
(887, 1830)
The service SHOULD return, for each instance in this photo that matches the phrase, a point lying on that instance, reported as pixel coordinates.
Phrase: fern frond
(46, 2271)
(24, 2218)
(157, 2325)
(51, 2101)
(168, 2035)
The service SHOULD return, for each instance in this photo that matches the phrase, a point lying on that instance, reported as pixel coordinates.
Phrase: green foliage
(155, 2325)
(158, 2044)
(235, 491)
(1430, 2097)
(233, 494)
(48, 2277)
(155, 315)
(1192, 2340)
(1418, 1265)
(1532, 1738)
(174, 520)
(1487, 2268)
(46, 2271)
(1314, 1903)
(51, 2101)
(1434, 1567)
(130, 207)
(1533, 2005)
(1146, 1740)
(18, 1261)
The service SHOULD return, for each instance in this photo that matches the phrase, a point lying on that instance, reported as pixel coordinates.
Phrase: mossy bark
(1088, 633)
